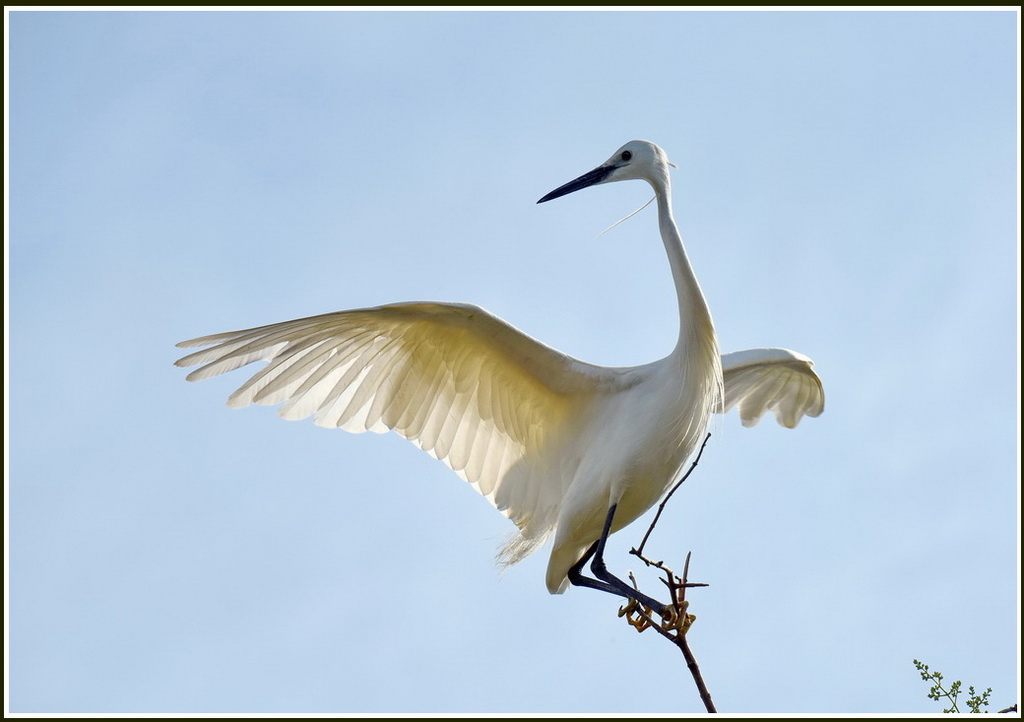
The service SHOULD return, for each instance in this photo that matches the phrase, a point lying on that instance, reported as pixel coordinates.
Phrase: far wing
(458, 382)
(760, 379)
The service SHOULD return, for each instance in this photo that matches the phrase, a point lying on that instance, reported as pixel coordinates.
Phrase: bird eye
(626, 155)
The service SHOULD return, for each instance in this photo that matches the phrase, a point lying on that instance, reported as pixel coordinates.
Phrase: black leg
(606, 581)
(576, 576)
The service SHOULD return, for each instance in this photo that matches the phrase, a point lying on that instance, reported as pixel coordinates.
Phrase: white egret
(557, 445)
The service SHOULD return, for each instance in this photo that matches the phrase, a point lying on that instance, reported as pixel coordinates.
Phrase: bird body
(556, 444)
(611, 461)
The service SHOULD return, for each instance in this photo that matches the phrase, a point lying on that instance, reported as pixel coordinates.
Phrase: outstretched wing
(458, 382)
(760, 379)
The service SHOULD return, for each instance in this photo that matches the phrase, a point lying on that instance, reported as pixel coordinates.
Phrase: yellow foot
(676, 619)
(640, 620)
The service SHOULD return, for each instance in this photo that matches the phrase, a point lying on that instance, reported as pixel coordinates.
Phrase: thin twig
(661, 506)
(691, 663)
(684, 646)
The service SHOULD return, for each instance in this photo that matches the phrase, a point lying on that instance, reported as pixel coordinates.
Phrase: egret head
(636, 159)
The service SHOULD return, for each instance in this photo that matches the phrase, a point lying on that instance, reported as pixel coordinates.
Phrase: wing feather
(461, 384)
(780, 380)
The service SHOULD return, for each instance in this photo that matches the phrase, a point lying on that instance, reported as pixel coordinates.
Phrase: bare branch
(675, 621)
(674, 625)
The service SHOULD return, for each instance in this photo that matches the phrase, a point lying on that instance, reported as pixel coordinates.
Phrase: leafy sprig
(937, 692)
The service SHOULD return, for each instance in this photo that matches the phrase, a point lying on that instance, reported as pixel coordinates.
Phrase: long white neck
(696, 351)
(695, 324)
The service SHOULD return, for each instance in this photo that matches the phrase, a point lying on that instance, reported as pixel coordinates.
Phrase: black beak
(587, 179)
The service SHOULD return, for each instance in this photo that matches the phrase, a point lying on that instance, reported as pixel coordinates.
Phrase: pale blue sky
(847, 186)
